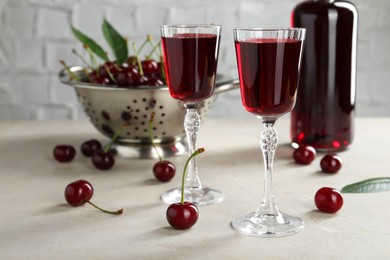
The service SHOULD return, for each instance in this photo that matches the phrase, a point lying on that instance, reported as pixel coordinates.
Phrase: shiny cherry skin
(164, 171)
(103, 160)
(149, 67)
(64, 153)
(304, 154)
(128, 76)
(154, 81)
(96, 78)
(78, 192)
(182, 216)
(328, 200)
(88, 148)
(331, 163)
(111, 66)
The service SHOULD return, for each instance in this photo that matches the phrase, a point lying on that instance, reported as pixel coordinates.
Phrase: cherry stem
(151, 136)
(141, 71)
(108, 146)
(87, 74)
(109, 73)
(94, 63)
(154, 48)
(81, 58)
(159, 49)
(71, 73)
(117, 212)
(148, 38)
(198, 151)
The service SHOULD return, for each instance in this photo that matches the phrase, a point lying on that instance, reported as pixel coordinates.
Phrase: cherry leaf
(367, 186)
(95, 48)
(117, 43)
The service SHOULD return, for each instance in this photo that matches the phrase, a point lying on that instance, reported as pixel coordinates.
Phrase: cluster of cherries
(327, 199)
(101, 158)
(134, 72)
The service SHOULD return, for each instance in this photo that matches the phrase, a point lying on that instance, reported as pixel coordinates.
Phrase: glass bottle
(323, 116)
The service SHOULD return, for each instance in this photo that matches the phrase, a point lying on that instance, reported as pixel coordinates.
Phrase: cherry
(150, 66)
(331, 163)
(328, 200)
(127, 76)
(80, 192)
(304, 154)
(64, 153)
(142, 80)
(111, 66)
(154, 81)
(183, 215)
(103, 160)
(163, 170)
(88, 148)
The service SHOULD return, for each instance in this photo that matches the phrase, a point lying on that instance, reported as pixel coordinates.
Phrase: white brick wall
(35, 34)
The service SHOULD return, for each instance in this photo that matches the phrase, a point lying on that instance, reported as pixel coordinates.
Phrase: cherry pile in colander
(131, 73)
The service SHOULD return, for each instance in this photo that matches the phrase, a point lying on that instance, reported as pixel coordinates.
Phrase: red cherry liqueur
(323, 116)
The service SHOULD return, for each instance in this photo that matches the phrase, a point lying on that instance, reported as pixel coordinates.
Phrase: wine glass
(268, 65)
(190, 58)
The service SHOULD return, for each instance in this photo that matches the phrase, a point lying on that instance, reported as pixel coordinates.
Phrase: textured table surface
(36, 222)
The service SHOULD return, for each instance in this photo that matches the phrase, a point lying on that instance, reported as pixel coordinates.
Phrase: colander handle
(226, 85)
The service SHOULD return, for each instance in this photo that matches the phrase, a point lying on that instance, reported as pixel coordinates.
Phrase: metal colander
(128, 110)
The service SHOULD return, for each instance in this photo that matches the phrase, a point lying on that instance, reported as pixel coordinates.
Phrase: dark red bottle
(323, 116)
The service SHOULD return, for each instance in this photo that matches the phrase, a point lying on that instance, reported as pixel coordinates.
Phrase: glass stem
(191, 126)
(268, 144)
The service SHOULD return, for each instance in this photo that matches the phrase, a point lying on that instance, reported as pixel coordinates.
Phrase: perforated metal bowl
(109, 108)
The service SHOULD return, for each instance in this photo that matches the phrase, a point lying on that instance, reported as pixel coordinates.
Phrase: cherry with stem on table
(163, 170)
(183, 214)
(80, 192)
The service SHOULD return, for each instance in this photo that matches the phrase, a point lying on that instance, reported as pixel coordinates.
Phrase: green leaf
(95, 48)
(117, 43)
(369, 185)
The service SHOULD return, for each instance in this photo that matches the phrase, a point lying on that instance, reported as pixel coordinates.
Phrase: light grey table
(36, 223)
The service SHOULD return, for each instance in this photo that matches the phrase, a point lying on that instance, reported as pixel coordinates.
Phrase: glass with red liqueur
(268, 65)
(190, 58)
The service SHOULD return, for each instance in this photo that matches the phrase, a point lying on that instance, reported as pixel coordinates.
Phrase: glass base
(267, 225)
(204, 196)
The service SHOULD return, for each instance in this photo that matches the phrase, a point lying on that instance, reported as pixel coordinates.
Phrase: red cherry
(142, 80)
(88, 148)
(182, 216)
(78, 192)
(64, 153)
(111, 66)
(103, 160)
(154, 81)
(149, 67)
(96, 78)
(128, 76)
(331, 163)
(328, 200)
(164, 171)
(304, 154)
